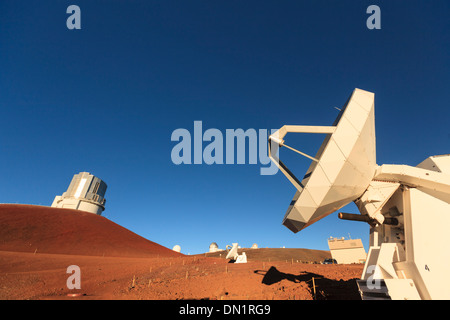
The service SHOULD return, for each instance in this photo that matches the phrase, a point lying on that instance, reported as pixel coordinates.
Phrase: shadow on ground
(324, 288)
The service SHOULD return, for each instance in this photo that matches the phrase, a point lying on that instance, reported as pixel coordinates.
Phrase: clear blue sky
(106, 99)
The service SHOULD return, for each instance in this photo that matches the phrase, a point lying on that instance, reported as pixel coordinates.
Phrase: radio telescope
(233, 254)
(407, 208)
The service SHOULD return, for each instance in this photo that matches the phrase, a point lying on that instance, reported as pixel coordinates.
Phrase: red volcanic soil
(28, 228)
(43, 277)
(38, 244)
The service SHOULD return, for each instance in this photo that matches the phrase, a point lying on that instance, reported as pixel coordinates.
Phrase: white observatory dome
(213, 247)
(176, 248)
(254, 246)
(86, 193)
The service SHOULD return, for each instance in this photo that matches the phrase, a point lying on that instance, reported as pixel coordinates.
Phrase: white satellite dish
(232, 251)
(233, 254)
(342, 168)
(407, 208)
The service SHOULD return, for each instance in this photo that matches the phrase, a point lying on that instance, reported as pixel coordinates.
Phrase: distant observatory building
(213, 247)
(347, 251)
(86, 193)
(176, 248)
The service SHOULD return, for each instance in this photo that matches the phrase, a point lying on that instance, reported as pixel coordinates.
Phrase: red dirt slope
(29, 228)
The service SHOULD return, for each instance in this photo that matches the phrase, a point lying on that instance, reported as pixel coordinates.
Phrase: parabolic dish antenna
(234, 256)
(232, 253)
(407, 208)
(341, 170)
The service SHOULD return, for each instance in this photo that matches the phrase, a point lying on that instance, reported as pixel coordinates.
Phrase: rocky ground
(44, 276)
(38, 244)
